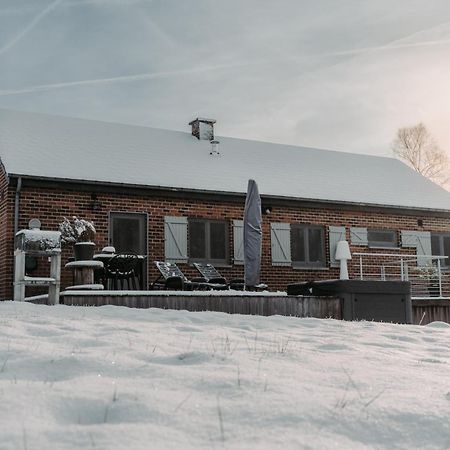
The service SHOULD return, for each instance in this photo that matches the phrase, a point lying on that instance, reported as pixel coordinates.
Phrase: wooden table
(83, 271)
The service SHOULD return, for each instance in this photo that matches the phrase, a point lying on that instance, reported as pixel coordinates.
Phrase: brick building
(180, 196)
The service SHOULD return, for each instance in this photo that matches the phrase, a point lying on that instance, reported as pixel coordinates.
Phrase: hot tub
(381, 301)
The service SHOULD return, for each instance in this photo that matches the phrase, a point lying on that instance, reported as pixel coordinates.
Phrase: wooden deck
(423, 311)
(250, 303)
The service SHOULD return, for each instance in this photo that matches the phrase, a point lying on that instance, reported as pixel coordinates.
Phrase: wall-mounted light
(95, 204)
(266, 209)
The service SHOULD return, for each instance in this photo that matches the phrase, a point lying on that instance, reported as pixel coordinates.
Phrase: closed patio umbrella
(252, 235)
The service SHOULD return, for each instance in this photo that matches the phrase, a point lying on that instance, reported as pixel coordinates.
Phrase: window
(440, 246)
(382, 238)
(208, 241)
(308, 245)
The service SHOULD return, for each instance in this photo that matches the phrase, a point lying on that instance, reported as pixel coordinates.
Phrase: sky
(341, 75)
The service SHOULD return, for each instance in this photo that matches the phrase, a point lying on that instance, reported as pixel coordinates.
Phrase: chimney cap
(202, 119)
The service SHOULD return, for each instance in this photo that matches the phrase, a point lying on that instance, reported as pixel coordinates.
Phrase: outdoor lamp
(343, 255)
(95, 204)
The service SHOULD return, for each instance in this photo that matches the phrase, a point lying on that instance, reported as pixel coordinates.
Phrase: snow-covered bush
(76, 230)
(429, 272)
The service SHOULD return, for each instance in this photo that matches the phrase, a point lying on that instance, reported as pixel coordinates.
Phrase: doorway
(128, 234)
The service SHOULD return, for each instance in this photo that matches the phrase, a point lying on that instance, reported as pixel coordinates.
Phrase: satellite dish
(34, 224)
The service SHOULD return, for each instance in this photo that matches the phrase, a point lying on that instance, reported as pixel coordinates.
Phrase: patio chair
(211, 275)
(172, 278)
(120, 272)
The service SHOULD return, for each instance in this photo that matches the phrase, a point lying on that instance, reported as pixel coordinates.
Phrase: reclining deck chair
(174, 279)
(211, 275)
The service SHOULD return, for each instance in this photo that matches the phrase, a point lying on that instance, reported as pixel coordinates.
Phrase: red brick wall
(50, 205)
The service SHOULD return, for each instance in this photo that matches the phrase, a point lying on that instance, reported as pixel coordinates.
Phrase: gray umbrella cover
(252, 235)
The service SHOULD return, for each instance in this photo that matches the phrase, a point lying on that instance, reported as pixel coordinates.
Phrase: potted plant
(80, 233)
(430, 273)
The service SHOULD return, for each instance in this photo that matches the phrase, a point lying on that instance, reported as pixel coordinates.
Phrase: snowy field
(117, 378)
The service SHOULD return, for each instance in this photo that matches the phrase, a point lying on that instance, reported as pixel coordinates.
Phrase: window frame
(207, 242)
(382, 244)
(445, 263)
(307, 263)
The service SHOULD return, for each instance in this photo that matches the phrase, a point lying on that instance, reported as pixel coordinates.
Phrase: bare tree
(419, 150)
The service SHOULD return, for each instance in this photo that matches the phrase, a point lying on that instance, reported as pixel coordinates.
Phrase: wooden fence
(427, 311)
(423, 311)
(262, 305)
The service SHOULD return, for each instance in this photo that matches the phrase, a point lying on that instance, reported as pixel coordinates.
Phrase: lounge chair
(172, 278)
(211, 275)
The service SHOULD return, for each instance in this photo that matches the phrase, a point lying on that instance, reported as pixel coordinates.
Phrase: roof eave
(89, 184)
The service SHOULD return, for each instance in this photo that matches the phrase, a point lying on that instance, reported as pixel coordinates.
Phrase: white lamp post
(343, 255)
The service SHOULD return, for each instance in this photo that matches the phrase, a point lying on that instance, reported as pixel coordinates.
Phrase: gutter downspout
(16, 227)
(17, 206)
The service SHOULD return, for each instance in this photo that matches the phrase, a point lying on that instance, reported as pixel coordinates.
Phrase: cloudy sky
(338, 74)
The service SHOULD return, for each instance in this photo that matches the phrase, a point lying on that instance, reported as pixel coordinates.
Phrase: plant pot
(84, 251)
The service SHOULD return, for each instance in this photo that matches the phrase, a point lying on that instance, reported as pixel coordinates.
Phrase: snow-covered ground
(118, 378)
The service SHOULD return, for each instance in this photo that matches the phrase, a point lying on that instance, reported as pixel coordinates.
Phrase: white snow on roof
(60, 147)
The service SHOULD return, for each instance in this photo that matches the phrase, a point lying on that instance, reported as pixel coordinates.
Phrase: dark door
(128, 234)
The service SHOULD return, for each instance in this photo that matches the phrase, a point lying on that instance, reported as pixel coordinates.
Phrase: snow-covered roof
(43, 145)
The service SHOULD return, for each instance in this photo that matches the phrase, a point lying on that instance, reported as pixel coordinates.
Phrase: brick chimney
(203, 128)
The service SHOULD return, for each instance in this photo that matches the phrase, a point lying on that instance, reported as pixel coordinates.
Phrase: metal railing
(425, 273)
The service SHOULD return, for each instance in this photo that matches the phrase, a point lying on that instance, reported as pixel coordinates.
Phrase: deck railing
(428, 279)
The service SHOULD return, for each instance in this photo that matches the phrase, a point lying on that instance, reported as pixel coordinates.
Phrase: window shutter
(409, 238)
(280, 235)
(175, 236)
(423, 247)
(335, 235)
(421, 241)
(358, 236)
(238, 240)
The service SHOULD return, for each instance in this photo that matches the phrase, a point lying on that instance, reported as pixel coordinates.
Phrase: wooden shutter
(423, 247)
(175, 236)
(238, 241)
(280, 235)
(409, 238)
(358, 236)
(421, 241)
(335, 234)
